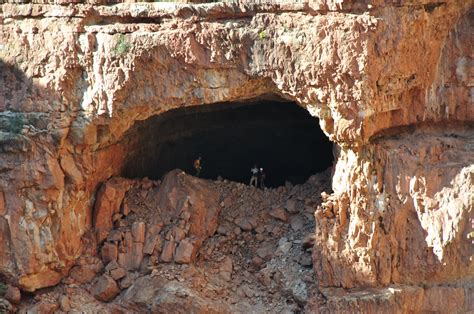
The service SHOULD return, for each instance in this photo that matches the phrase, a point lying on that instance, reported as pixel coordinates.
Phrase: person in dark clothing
(261, 178)
(197, 166)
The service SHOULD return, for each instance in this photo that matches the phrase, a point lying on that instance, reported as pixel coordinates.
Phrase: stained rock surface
(390, 82)
(416, 209)
(264, 265)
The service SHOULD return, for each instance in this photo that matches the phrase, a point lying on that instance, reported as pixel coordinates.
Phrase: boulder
(39, 280)
(186, 197)
(105, 288)
(43, 307)
(297, 222)
(284, 245)
(170, 297)
(128, 280)
(111, 266)
(13, 294)
(291, 206)
(226, 268)
(279, 213)
(168, 251)
(186, 251)
(299, 291)
(118, 273)
(180, 193)
(108, 201)
(152, 239)
(266, 251)
(109, 252)
(243, 223)
(83, 273)
(178, 233)
(132, 258)
(257, 261)
(306, 260)
(138, 231)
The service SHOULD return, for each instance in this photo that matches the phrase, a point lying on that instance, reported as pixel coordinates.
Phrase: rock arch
(358, 72)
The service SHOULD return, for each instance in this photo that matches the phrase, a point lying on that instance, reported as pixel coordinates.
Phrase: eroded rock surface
(409, 202)
(227, 267)
(262, 266)
(74, 78)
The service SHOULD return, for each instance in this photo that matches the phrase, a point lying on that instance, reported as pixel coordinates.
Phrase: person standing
(197, 166)
(261, 178)
(254, 178)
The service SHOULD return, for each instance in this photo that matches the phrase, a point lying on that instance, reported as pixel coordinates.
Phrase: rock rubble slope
(391, 84)
(250, 254)
(193, 245)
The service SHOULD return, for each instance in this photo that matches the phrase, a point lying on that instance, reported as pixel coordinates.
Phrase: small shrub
(16, 124)
(262, 35)
(122, 46)
(3, 289)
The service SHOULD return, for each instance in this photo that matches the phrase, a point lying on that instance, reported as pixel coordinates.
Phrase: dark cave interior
(231, 138)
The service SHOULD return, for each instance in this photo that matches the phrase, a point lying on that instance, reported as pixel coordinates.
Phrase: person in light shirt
(254, 178)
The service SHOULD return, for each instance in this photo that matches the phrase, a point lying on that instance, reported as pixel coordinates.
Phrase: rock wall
(402, 211)
(75, 78)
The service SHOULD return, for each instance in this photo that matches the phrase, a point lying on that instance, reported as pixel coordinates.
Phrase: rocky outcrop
(407, 202)
(107, 206)
(75, 78)
(180, 213)
(254, 261)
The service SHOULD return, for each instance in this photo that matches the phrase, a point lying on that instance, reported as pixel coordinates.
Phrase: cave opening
(231, 138)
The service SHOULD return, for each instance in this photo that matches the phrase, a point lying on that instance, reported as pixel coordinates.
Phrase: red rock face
(108, 201)
(193, 204)
(179, 198)
(405, 213)
(74, 82)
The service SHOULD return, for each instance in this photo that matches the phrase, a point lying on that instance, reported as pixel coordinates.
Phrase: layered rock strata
(74, 78)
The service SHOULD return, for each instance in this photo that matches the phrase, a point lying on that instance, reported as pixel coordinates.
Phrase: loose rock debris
(188, 244)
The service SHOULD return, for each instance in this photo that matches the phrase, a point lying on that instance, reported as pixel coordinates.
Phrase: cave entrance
(281, 137)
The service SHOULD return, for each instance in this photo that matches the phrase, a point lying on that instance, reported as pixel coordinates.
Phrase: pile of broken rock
(190, 244)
